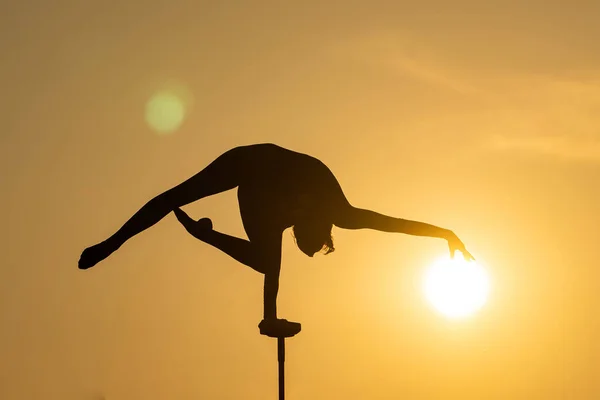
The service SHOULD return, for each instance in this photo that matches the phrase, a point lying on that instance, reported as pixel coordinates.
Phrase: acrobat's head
(313, 236)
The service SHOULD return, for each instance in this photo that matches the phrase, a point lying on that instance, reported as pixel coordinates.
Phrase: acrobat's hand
(197, 228)
(278, 328)
(454, 243)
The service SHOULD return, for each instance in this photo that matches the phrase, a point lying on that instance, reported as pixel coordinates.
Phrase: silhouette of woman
(277, 189)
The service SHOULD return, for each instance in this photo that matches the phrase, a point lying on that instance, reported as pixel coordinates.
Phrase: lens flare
(455, 287)
(165, 112)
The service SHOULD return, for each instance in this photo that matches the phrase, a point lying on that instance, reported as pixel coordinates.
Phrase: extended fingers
(466, 255)
(452, 251)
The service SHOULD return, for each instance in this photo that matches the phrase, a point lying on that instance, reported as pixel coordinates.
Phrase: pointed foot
(93, 255)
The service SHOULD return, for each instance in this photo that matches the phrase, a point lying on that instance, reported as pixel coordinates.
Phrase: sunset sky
(480, 117)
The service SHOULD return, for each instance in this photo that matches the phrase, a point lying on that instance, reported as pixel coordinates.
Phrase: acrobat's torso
(277, 183)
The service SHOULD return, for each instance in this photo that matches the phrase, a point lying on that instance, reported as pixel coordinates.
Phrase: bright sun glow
(455, 287)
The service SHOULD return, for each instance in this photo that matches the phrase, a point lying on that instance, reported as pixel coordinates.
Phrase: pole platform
(281, 332)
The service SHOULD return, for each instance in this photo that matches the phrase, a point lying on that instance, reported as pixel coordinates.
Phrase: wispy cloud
(552, 145)
(403, 55)
(549, 116)
(555, 116)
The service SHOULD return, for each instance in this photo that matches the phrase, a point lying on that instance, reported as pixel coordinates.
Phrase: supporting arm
(271, 325)
(271, 289)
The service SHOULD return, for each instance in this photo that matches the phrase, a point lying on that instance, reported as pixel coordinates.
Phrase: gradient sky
(482, 118)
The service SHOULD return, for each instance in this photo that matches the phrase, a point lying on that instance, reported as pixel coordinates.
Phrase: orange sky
(479, 118)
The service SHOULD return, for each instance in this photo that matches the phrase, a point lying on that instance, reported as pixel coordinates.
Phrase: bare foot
(197, 228)
(204, 225)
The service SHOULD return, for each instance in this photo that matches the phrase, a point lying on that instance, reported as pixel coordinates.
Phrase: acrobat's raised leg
(221, 175)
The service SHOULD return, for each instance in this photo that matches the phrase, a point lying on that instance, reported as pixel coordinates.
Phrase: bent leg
(221, 175)
(239, 249)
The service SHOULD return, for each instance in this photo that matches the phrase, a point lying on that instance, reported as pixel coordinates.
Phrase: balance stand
(280, 358)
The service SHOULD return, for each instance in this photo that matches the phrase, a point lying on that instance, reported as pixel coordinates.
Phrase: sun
(455, 287)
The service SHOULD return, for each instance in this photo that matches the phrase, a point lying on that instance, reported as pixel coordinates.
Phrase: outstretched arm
(349, 217)
(358, 218)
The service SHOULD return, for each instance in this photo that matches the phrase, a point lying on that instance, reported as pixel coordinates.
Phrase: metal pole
(288, 329)
(281, 360)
